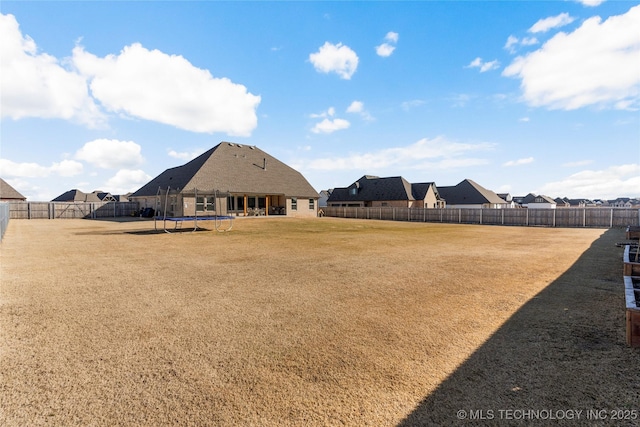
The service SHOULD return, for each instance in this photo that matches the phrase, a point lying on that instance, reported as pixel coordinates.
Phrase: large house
(469, 194)
(373, 191)
(533, 201)
(230, 179)
(10, 194)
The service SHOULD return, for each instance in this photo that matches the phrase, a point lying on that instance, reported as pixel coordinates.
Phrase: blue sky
(520, 96)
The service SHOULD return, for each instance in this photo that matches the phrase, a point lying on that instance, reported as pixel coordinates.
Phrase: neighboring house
(469, 194)
(533, 201)
(624, 202)
(75, 195)
(232, 179)
(509, 199)
(395, 191)
(561, 203)
(10, 194)
(577, 203)
(427, 195)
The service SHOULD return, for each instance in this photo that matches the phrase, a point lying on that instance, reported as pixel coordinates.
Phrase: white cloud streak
(483, 65)
(65, 168)
(615, 181)
(597, 64)
(330, 126)
(546, 24)
(338, 58)
(591, 3)
(437, 153)
(519, 162)
(184, 155)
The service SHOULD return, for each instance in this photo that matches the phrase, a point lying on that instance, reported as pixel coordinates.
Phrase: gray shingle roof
(419, 190)
(7, 192)
(369, 188)
(77, 196)
(236, 168)
(468, 192)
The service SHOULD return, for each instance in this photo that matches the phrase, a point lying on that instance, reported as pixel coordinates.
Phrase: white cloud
(153, 85)
(513, 42)
(126, 180)
(33, 170)
(357, 107)
(591, 3)
(110, 153)
(35, 84)
(577, 163)
(385, 49)
(391, 37)
(597, 64)
(330, 126)
(338, 58)
(519, 162)
(407, 105)
(184, 155)
(437, 153)
(615, 181)
(482, 65)
(331, 111)
(546, 24)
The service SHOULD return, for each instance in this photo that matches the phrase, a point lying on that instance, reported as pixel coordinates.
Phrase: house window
(231, 203)
(353, 191)
(294, 204)
(312, 204)
(205, 203)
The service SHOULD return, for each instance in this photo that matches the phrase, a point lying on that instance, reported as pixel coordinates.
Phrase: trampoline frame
(178, 221)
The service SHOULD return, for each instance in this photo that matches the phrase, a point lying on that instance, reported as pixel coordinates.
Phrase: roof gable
(370, 188)
(8, 192)
(468, 192)
(236, 168)
(420, 190)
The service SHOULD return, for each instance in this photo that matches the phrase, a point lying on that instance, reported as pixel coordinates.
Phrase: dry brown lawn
(315, 322)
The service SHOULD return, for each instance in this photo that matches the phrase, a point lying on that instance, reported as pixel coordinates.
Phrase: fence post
(554, 217)
(611, 219)
(584, 217)
(480, 216)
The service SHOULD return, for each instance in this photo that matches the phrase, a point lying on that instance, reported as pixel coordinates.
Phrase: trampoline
(178, 222)
(222, 223)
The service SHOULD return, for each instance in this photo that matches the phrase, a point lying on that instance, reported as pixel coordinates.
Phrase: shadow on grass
(564, 351)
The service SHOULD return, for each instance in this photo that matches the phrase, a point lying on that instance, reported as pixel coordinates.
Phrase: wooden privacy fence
(55, 210)
(563, 217)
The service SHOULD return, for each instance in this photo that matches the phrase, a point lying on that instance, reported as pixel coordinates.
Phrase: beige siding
(303, 208)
